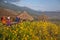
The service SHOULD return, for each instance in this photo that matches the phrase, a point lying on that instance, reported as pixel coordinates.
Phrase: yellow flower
(7, 28)
(14, 31)
(21, 27)
(26, 38)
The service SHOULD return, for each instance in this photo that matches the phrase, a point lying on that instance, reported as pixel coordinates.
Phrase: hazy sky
(42, 5)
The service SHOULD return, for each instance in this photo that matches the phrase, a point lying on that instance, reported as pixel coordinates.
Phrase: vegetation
(43, 17)
(37, 30)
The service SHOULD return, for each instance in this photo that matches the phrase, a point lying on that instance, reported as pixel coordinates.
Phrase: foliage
(30, 31)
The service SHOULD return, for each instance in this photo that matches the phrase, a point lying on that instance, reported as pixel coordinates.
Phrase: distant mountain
(53, 15)
(35, 13)
(7, 12)
(17, 8)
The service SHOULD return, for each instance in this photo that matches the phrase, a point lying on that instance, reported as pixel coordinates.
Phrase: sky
(40, 5)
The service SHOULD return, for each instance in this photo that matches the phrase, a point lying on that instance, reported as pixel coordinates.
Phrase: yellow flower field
(36, 30)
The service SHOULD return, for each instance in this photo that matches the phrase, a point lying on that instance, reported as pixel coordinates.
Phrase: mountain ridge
(17, 9)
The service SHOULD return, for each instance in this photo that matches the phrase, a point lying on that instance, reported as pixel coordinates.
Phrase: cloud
(9, 0)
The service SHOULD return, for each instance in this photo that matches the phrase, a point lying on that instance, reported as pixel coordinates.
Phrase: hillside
(19, 8)
(34, 13)
(7, 12)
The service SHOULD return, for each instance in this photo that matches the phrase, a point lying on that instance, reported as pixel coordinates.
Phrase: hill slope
(30, 11)
(7, 12)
